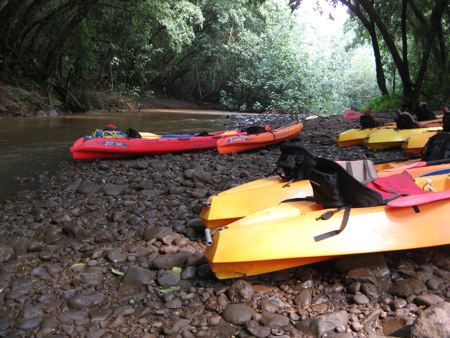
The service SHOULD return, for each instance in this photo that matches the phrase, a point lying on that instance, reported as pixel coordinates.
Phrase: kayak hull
(393, 137)
(244, 200)
(240, 143)
(415, 144)
(99, 148)
(357, 136)
(354, 137)
(239, 202)
(282, 237)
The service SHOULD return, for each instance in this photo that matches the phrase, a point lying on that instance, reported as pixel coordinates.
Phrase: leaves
(117, 272)
(171, 289)
(78, 264)
(248, 57)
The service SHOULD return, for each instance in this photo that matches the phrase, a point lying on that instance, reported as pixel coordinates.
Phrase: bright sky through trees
(323, 21)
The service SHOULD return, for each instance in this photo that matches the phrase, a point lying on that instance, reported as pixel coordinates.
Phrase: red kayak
(113, 147)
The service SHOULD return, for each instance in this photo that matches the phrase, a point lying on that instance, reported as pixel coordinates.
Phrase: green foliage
(437, 102)
(116, 101)
(30, 100)
(248, 57)
(94, 99)
(384, 104)
(420, 25)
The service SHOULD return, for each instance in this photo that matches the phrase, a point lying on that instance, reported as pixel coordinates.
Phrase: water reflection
(30, 146)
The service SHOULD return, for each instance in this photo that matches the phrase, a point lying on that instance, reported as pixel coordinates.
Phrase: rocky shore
(114, 248)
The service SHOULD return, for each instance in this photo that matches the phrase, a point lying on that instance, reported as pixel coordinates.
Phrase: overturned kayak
(285, 235)
(241, 143)
(387, 138)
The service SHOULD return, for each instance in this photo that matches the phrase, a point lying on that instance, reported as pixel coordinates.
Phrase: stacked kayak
(241, 143)
(283, 236)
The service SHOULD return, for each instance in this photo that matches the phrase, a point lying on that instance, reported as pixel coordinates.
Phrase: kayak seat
(254, 130)
(368, 121)
(295, 161)
(406, 121)
(334, 187)
(363, 170)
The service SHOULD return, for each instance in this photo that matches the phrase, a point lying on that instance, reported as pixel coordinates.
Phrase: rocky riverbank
(115, 249)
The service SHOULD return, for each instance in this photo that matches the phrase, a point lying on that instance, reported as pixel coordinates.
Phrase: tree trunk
(71, 100)
(434, 24)
(3, 3)
(439, 50)
(370, 26)
(381, 79)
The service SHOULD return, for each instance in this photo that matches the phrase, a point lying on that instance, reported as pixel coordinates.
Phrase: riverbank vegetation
(243, 55)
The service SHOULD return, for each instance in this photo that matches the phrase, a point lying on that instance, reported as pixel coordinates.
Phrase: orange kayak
(282, 236)
(241, 143)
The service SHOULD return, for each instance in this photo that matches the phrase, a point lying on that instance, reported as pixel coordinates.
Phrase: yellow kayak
(282, 236)
(394, 137)
(353, 137)
(357, 136)
(414, 144)
(244, 200)
(236, 203)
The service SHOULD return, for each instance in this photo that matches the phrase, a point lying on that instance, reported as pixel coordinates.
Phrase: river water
(30, 146)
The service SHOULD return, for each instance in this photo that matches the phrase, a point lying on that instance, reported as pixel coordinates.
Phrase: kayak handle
(208, 237)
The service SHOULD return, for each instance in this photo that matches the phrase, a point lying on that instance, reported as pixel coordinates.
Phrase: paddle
(351, 114)
(312, 117)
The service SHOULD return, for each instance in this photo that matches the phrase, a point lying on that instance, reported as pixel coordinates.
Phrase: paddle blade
(312, 117)
(351, 114)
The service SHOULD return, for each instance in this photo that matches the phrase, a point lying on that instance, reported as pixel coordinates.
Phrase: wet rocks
(238, 314)
(326, 323)
(407, 287)
(432, 322)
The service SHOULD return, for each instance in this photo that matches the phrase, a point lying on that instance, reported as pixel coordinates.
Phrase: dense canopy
(248, 55)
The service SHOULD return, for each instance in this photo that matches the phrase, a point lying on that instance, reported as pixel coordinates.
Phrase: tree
(428, 21)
